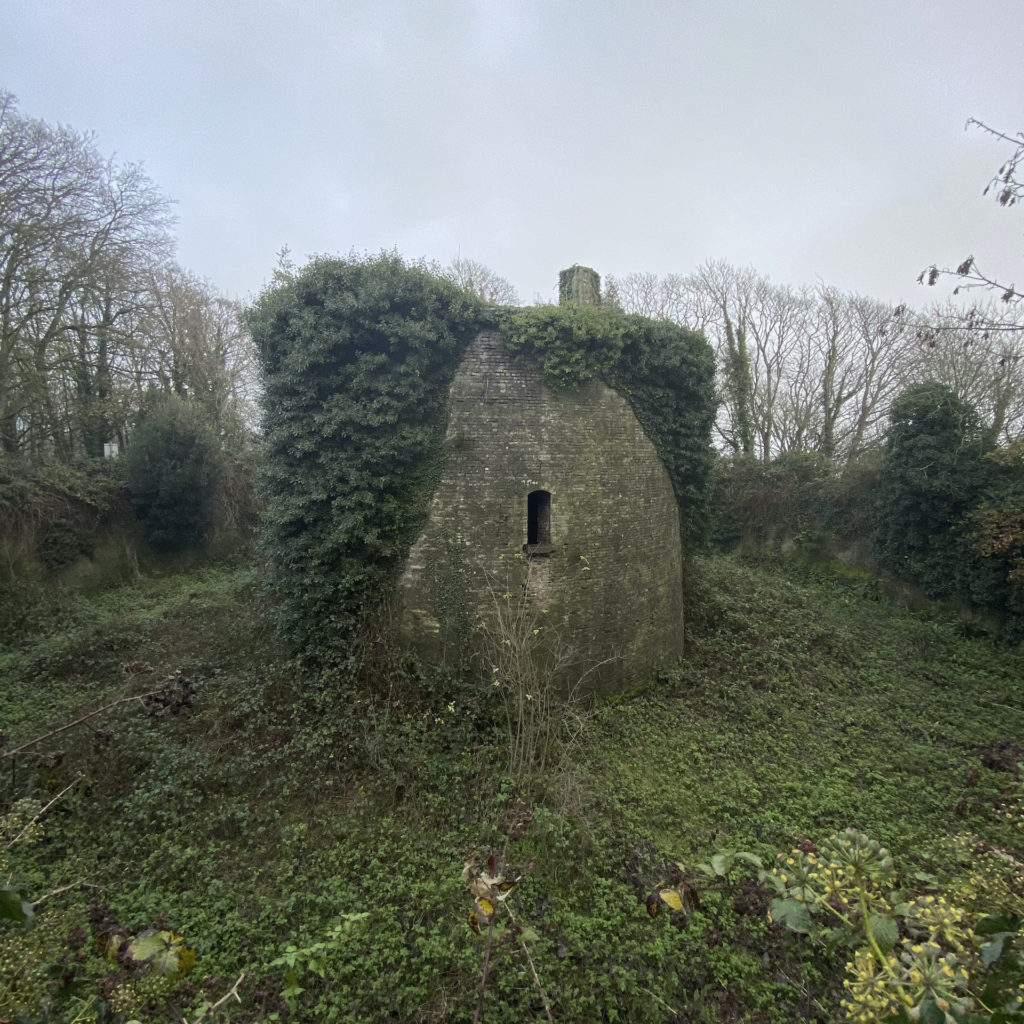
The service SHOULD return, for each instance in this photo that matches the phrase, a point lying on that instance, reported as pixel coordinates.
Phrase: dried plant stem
(231, 993)
(77, 721)
(478, 1016)
(42, 810)
(533, 969)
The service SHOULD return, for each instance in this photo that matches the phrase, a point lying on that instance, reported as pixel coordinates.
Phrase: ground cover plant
(360, 853)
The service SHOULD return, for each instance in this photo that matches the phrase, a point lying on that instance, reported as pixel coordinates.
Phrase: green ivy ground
(319, 844)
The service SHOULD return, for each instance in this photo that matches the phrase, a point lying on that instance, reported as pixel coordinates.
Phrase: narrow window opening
(538, 522)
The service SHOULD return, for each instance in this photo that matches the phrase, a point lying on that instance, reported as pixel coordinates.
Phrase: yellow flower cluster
(935, 919)
(18, 825)
(851, 878)
(929, 973)
(992, 879)
(922, 971)
(25, 957)
(136, 995)
(847, 867)
(869, 993)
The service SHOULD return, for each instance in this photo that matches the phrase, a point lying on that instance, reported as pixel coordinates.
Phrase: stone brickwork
(610, 580)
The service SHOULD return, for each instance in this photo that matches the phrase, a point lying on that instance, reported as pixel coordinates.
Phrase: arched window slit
(538, 523)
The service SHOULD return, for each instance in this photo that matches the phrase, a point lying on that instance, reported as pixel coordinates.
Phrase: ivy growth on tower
(358, 357)
(665, 372)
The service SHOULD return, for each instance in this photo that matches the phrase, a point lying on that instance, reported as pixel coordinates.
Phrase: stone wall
(610, 584)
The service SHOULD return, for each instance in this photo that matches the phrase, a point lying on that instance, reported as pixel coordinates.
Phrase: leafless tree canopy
(816, 369)
(93, 312)
(480, 281)
(1008, 190)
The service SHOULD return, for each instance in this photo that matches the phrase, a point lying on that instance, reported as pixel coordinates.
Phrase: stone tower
(558, 495)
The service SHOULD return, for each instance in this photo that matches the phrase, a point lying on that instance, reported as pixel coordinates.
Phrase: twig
(536, 981)
(658, 999)
(63, 888)
(529, 959)
(77, 721)
(233, 991)
(42, 810)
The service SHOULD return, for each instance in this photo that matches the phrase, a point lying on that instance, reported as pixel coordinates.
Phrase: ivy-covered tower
(429, 463)
(555, 496)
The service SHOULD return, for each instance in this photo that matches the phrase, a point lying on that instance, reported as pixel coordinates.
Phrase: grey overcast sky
(809, 139)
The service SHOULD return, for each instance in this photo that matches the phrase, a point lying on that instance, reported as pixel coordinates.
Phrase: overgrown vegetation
(357, 359)
(938, 510)
(52, 517)
(333, 853)
(947, 505)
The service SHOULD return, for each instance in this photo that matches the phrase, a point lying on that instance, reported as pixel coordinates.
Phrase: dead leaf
(671, 899)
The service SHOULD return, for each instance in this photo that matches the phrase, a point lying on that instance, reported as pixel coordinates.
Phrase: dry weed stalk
(535, 672)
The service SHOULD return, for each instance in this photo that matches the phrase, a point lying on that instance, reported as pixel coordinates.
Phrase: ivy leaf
(750, 858)
(791, 913)
(994, 924)
(900, 1017)
(993, 950)
(929, 1013)
(885, 930)
(146, 946)
(14, 906)
(165, 952)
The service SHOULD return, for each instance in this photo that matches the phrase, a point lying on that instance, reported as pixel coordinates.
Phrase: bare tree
(75, 233)
(197, 347)
(884, 350)
(982, 366)
(798, 369)
(480, 281)
(862, 358)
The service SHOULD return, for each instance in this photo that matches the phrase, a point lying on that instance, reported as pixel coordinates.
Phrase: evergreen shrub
(931, 477)
(173, 467)
(357, 358)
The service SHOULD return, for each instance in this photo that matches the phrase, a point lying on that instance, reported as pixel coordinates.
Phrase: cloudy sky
(810, 139)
